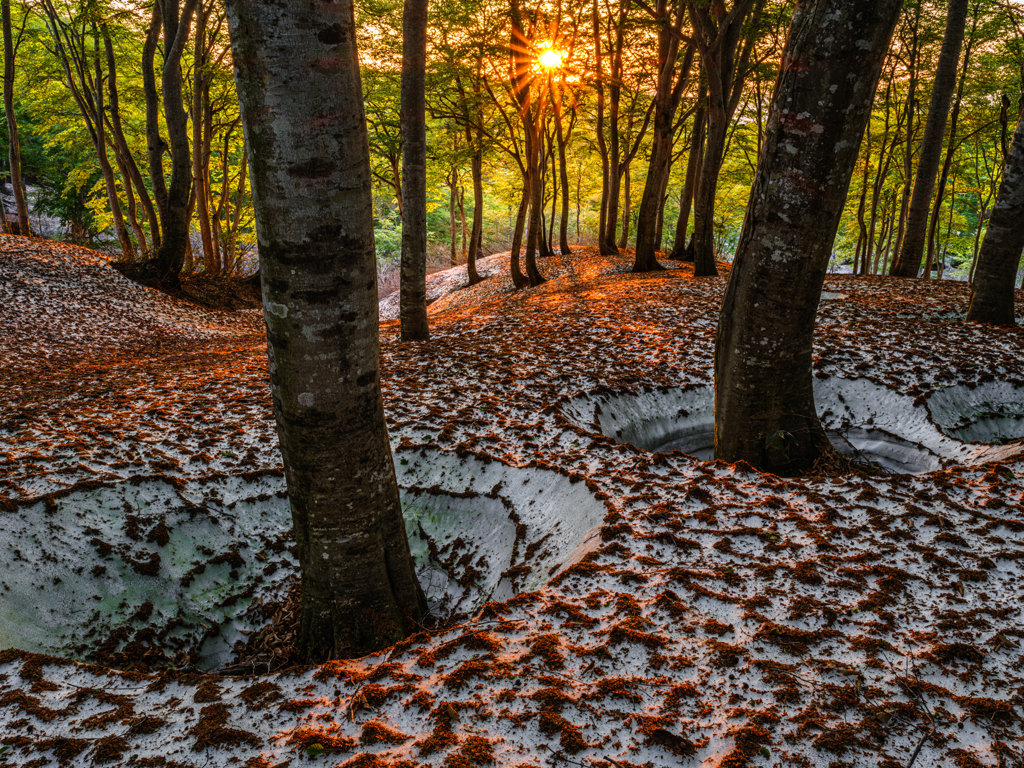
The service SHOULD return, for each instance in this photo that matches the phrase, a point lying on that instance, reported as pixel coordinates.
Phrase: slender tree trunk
(689, 186)
(519, 280)
(908, 154)
(14, 145)
(453, 185)
(314, 214)
(155, 144)
(176, 25)
(909, 261)
(614, 171)
(951, 144)
(200, 142)
(718, 41)
(563, 175)
(764, 399)
(626, 210)
(667, 95)
(602, 144)
(996, 272)
(100, 140)
(126, 161)
(478, 217)
(413, 290)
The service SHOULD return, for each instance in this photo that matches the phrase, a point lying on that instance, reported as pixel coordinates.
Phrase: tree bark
(718, 40)
(126, 161)
(909, 261)
(995, 273)
(679, 251)
(297, 72)
(764, 399)
(155, 144)
(176, 21)
(413, 289)
(14, 145)
(668, 93)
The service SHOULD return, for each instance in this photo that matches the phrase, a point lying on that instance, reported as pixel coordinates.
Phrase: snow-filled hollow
(178, 566)
(863, 419)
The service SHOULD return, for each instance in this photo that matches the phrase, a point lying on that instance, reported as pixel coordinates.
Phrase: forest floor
(603, 594)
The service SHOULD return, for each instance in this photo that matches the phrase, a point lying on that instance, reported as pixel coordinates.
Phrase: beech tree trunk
(297, 72)
(995, 273)
(413, 289)
(764, 399)
(909, 261)
(14, 146)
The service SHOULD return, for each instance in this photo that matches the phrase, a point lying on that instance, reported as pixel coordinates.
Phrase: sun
(551, 58)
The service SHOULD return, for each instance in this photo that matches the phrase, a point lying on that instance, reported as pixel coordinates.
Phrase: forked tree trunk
(909, 260)
(413, 289)
(996, 270)
(764, 399)
(311, 184)
(176, 23)
(718, 40)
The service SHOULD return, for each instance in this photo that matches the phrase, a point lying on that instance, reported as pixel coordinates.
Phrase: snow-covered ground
(617, 602)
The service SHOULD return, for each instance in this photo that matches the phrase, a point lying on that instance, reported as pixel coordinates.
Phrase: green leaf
(765, 752)
(315, 749)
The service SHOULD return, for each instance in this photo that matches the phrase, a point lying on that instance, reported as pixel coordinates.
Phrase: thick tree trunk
(909, 261)
(996, 271)
(298, 80)
(764, 399)
(413, 290)
(14, 145)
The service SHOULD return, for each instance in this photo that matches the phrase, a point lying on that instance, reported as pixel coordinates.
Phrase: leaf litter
(607, 605)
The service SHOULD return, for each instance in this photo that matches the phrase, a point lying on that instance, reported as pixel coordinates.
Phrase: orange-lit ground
(717, 616)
